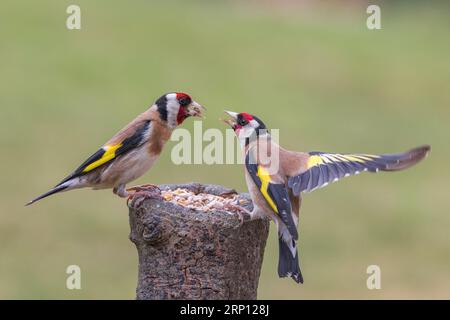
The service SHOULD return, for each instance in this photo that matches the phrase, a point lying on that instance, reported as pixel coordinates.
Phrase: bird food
(204, 201)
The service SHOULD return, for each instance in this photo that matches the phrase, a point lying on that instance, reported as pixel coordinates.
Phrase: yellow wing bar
(265, 180)
(275, 194)
(315, 160)
(323, 168)
(108, 155)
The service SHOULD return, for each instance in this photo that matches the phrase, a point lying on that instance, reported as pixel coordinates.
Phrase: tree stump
(191, 254)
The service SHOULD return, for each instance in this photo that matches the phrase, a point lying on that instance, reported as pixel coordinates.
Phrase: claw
(241, 219)
(227, 194)
(139, 194)
(143, 187)
(242, 213)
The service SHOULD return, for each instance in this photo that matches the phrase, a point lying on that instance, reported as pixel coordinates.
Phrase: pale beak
(231, 122)
(232, 114)
(196, 109)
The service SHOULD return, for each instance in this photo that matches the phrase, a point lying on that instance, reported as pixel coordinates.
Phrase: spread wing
(111, 151)
(324, 168)
(275, 194)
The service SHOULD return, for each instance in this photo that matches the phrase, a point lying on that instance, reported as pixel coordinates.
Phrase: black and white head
(175, 107)
(246, 125)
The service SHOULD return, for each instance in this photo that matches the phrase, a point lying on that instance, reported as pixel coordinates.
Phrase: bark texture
(190, 254)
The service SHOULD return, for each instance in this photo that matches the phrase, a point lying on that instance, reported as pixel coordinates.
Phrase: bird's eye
(242, 121)
(184, 101)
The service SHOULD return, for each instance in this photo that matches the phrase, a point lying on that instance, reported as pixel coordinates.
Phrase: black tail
(49, 193)
(288, 265)
(395, 162)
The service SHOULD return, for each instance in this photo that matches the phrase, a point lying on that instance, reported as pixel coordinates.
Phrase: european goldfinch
(276, 177)
(133, 150)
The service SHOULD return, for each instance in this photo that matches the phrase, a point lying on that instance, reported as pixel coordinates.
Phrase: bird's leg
(247, 215)
(228, 193)
(120, 191)
(143, 187)
(145, 191)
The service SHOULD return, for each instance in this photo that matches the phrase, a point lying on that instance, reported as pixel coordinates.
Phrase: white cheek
(254, 123)
(172, 112)
(244, 133)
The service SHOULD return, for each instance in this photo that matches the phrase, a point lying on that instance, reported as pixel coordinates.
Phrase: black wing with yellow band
(108, 153)
(275, 194)
(324, 168)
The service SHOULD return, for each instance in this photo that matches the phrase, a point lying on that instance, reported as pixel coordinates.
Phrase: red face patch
(184, 100)
(183, 96)
(247, 116)
(182, 115)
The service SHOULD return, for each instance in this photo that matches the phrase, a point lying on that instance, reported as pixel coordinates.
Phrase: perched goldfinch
(133, 150)
(276, 177)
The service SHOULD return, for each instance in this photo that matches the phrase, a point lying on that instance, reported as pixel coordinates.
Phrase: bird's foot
(138, 194)
(228, 193)
(143, 187)
(242, 213)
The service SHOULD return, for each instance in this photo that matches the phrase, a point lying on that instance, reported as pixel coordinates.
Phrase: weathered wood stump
(190, 254)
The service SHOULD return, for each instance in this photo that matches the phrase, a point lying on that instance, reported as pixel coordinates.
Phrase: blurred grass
(317, 73)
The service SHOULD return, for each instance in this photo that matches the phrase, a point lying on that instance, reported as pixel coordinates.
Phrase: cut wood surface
(205, 253)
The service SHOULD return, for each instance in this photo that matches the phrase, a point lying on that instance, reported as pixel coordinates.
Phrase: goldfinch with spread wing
(133, 150)
(276, 177)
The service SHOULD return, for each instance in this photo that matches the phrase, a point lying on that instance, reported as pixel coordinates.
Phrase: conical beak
(231, 122)
(196, 109)
(232, 114)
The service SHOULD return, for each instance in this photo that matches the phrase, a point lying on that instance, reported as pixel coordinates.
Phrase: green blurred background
(313, 70)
